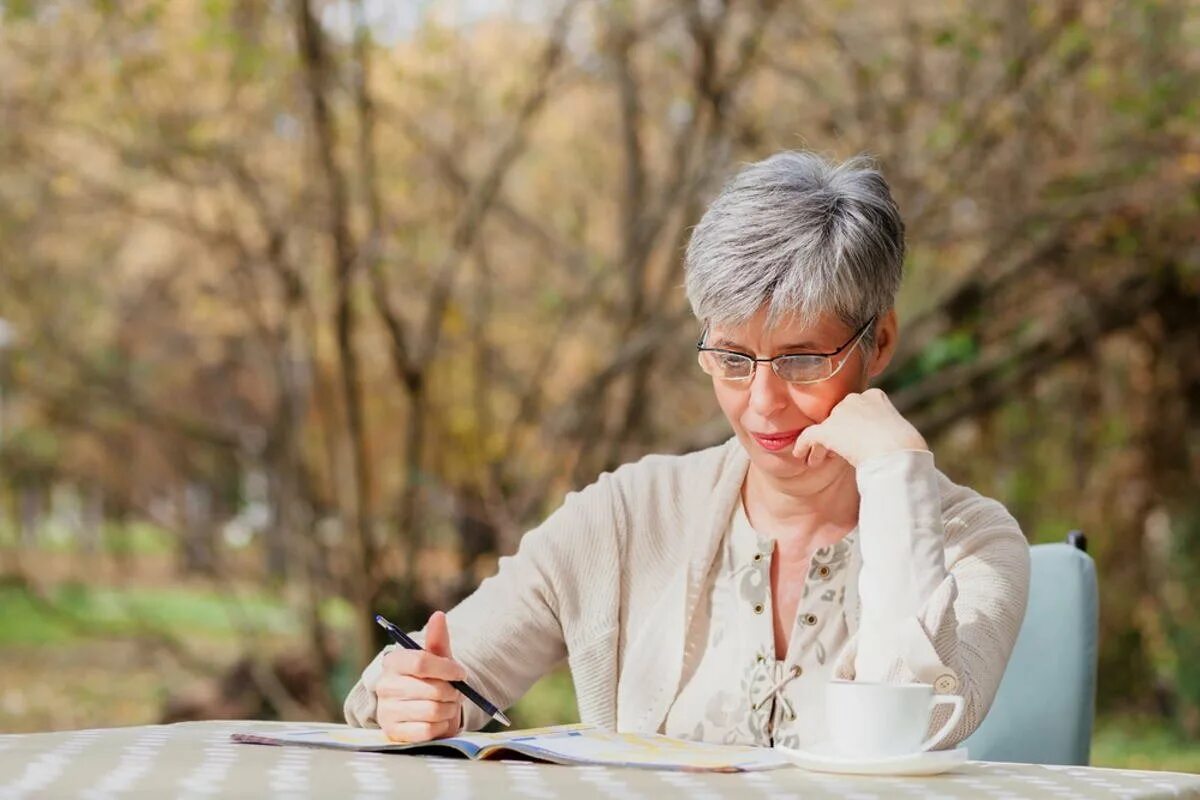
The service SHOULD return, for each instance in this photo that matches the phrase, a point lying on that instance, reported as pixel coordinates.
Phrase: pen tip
(503, 720)
(382, 622)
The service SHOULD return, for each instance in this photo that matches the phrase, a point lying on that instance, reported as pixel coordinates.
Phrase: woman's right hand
(414, 699)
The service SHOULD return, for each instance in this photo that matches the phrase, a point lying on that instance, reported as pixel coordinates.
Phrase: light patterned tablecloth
(198, 759)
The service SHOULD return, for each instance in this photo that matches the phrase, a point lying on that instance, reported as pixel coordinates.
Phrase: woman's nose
(768, 392)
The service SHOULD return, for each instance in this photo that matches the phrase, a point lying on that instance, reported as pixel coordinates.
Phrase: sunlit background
(309, 310)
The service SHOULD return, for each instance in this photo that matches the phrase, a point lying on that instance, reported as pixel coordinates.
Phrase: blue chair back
(1044, 708)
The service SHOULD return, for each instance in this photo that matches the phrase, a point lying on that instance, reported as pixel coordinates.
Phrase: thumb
(437, 635)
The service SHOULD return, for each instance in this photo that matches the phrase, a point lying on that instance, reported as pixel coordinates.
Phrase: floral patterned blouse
(734, 690)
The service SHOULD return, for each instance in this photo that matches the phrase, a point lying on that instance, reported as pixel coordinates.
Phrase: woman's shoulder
(635, 511)
(681, 470)
(658, 491)
(653, 489)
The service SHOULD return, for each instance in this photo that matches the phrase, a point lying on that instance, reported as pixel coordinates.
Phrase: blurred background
(310, 308)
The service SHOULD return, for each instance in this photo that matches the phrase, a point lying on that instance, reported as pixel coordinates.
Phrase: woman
(713, 595)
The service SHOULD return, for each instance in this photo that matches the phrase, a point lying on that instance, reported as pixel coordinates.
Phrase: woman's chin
(779, 464)
(784, 465)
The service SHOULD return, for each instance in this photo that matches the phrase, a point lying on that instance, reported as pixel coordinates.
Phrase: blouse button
(797, 670)
(758, 556)
(758, 608)
(824, 572)
(761, 658)
(810, 619)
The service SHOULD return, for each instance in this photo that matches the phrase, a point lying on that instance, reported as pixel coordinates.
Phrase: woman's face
(768, 413)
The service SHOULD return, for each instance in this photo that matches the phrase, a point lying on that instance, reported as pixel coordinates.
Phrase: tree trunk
(32, 507)
(199, 550)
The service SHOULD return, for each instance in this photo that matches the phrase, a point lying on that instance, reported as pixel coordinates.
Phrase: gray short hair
(802, 235)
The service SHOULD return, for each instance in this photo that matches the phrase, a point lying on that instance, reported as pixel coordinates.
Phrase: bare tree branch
(481, 197)
(318, 78)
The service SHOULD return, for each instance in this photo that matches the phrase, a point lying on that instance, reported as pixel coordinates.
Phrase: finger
(423, 664)
(805, 441)
(407, 687)
(817, 455)
(397, 711)
(410, 732)
(437, 635)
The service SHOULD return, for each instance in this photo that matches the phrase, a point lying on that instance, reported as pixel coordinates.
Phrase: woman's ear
(886, 332)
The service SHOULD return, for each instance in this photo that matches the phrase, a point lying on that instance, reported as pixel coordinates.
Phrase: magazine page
(595, 746)
(559, 744)
(345, 737)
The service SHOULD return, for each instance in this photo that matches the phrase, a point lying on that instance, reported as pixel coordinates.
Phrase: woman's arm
(508, 633)
(938, 606)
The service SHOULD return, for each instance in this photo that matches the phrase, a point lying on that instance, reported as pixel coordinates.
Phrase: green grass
(78, 658)
(1131, 742)
(127, 539)
(138, 538)
(78, 610)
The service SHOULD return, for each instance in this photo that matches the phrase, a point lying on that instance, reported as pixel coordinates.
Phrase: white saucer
(820, 758)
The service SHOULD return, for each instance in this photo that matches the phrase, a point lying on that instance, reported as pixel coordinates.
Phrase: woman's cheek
(817, 406)
(732, 403)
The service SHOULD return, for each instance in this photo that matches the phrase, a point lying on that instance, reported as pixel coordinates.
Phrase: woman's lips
(775, 442)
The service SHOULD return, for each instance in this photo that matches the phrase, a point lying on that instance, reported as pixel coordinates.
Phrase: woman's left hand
(858, 428)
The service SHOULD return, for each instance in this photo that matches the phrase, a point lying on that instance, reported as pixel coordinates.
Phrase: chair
(1046, 702)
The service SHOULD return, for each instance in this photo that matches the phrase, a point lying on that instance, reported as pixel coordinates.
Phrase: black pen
(404, 640)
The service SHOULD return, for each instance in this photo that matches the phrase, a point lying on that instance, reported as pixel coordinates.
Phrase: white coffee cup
(880, 720)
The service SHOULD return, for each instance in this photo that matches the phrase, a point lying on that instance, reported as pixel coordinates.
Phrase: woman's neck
(803, 515)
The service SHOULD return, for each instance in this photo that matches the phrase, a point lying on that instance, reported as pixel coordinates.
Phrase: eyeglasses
(730, 365)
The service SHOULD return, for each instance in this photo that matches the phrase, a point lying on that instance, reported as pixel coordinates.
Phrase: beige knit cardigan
(610, 580)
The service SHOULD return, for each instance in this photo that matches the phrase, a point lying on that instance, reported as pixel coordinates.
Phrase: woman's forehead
(825, 331)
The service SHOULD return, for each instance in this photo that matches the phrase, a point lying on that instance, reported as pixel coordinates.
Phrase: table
(197, 759)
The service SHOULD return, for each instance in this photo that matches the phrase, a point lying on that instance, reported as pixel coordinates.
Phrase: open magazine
(561, 744)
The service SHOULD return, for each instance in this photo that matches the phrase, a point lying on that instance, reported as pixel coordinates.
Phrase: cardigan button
(946, 684)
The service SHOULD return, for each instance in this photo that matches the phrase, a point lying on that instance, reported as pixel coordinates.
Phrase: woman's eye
(731, 361)
(803, 366)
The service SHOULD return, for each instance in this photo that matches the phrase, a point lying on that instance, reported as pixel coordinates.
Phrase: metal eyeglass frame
(850, 343)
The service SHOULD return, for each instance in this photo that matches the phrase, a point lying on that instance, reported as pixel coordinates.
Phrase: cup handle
(940, 700)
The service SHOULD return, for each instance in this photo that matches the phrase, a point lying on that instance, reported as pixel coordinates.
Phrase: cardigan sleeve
(508, 632)
(940, 602)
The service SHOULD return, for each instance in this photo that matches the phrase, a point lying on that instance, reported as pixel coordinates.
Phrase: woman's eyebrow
(723, 343)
